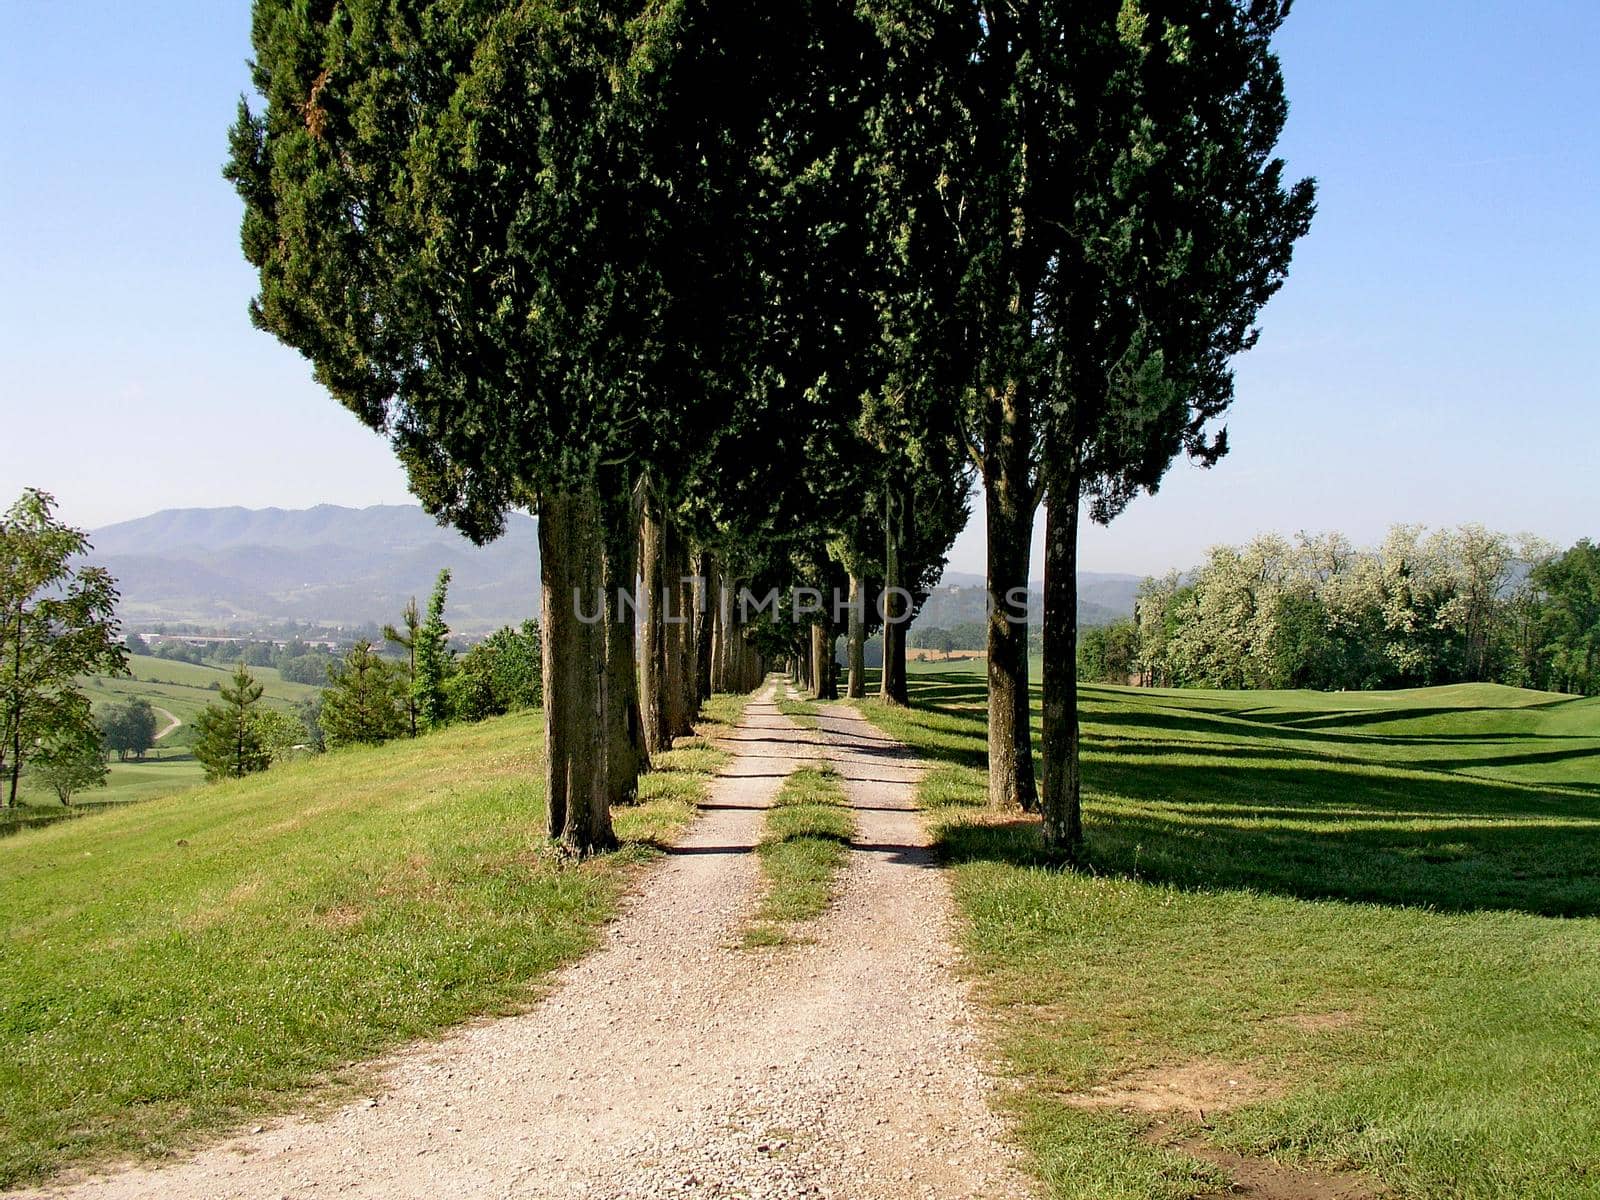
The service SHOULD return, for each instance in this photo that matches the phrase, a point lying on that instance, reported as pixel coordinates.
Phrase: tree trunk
(746, 661)
(688, 706)
(653, 655)
(1009, 506)
(705, 618)
(857, 687)
(892, 688)
(822, 648)
(625, 742)
(572, 573)
(721, 617)
(16, 711)
(1063, 779)
(677, 620)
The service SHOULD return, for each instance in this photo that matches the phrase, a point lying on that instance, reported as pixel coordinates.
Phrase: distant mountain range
(326, 565)
(329, 565)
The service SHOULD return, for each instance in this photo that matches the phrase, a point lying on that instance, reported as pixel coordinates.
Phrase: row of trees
(295, 660)
(967, 635)
(749, 293)
(129, 730)
(1459, 605)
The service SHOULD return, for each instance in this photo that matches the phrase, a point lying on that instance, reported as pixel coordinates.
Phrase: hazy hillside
(960, 598)
(324, 564)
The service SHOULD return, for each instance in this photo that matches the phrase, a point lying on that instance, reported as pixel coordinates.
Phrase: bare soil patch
(1194, 1088)
(1186, 1093)
(1263, 1179)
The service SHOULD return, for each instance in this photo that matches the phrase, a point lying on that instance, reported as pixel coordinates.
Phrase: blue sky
(1431, 359)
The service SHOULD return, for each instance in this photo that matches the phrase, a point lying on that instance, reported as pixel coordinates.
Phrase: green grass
(180, 688)
(183, 689)
(797, 708)
(1383, 906)
(803, 847)
(180, 965)
(161, 773)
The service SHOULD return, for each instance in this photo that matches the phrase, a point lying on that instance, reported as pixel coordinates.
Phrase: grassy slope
(181, 688)
(804, 845)
(174, 966)
(184, 689)
(1424, 866)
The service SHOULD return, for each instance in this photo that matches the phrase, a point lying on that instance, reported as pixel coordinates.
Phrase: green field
(183, 964)
(181, 689)
(1376, 914)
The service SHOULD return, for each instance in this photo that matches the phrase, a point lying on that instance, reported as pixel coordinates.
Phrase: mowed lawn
(1359, 932)
(186, 963)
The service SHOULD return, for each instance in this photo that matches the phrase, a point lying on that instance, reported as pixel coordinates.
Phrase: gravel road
(672, 1062)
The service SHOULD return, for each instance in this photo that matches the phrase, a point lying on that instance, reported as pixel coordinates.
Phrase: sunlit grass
(1384, 906)
(803, 847)
(181, 964)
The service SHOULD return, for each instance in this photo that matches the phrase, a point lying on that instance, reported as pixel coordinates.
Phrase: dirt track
(172, 722)
(672, 1062)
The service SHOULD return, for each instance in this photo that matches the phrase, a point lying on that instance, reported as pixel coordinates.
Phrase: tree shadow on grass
(1213, 814)
(1526, 759)
(1344, 718)
(1200, 723)
(1314, 832)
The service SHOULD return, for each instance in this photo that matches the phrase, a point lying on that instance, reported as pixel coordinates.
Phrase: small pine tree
(404, 635)
(363, 703)
(228, 739)
(432, 659)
